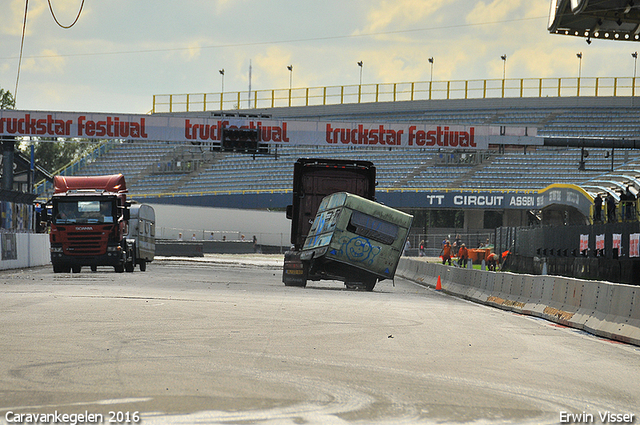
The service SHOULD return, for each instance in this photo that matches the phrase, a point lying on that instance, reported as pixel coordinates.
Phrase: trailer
(141, 236)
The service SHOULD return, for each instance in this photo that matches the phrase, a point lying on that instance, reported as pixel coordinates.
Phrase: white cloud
(395, 14)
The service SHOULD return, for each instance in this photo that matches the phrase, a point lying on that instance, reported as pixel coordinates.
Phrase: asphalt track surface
(223, 341)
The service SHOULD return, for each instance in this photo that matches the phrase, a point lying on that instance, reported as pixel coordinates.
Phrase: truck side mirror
(289, 212)
(126, 213)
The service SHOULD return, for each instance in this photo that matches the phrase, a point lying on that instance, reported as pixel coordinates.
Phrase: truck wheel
(143, 266)
(297, 284)
(76, 269)
(119, 268)
(369, 284)
(58, 269)
(129, 266)
(94, 268)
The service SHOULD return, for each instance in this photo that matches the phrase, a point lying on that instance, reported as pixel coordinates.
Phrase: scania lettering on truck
(313, 179)
(89, 220)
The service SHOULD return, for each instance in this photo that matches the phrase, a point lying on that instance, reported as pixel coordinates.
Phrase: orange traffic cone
(439, 284)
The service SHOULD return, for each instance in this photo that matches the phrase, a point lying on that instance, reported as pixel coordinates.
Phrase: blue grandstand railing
(393, 92)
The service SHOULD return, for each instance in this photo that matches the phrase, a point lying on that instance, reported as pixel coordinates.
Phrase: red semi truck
(89, 223)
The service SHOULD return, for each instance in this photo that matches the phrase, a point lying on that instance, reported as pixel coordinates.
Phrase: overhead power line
(298, 40)
(24, 28)
(58, 22)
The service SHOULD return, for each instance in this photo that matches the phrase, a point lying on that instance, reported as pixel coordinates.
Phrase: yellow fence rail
(395, 92)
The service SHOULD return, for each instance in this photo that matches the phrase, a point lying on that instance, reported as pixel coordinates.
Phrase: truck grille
(86, 243)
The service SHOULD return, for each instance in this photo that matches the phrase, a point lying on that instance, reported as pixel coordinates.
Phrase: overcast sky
(122, 52)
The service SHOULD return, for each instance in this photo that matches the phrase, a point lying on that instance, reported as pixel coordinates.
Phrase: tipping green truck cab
(313, 179)
(355, 240)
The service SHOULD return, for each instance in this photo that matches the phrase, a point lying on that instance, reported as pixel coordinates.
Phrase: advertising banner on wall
(193, 129)
(634, 245)
(584, 242)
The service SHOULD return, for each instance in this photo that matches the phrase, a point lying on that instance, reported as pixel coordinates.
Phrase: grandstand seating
(152, 167)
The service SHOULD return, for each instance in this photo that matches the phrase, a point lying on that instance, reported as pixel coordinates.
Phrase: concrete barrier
(605, 309)
(179, 248)
(20, 250)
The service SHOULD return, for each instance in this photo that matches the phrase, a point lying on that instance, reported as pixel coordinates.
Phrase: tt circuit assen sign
(172, 128)
(565, 195)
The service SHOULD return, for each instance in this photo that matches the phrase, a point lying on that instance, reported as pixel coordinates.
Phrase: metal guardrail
(394, 92)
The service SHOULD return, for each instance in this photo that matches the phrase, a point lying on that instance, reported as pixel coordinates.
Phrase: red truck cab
(89, 219)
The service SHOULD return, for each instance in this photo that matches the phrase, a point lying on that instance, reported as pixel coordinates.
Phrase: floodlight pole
(431, 77)
(635, 69)
(504, 66)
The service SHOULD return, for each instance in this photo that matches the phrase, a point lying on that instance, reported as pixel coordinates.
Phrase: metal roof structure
(591, 19)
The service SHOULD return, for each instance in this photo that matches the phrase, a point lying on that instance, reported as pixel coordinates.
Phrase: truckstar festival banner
(172, 128)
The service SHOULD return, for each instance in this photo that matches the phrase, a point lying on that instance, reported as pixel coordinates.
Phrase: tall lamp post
(360, 85)
(579, 56)
(431, 76)
(290, 68)
(222, 89)
(635, 69)
(504, 71)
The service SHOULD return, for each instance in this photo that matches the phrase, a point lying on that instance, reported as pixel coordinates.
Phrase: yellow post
(324, 96)
(273, 98)
(597, 83)
(221, 101)
(187, 102)
(307, 97)
(412, 86)
(484, 89)
(153, 110)
(377, 91)
(341, 95)
(540, 88)
(448, 88)
(466, 89)
(204, 103)
(615, 86)
(394, 92)
(170, 103)
(559, 85)
(522, 87)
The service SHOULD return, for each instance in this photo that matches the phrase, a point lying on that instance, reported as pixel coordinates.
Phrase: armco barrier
(609, 310)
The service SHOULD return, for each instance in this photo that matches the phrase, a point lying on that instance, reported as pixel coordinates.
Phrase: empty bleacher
(161, 168)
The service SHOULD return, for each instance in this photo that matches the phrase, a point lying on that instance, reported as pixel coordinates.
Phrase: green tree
(55, 154)
(7, 101)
